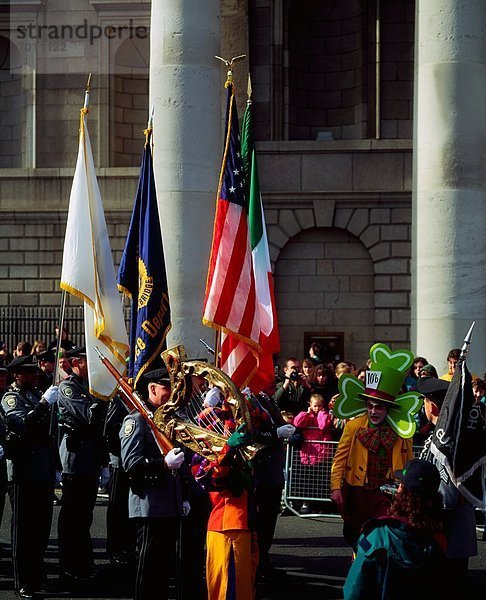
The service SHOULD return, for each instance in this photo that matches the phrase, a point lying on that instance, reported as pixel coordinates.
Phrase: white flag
(88, 272)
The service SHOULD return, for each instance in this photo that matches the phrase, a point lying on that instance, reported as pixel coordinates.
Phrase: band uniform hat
(75, 352)
(432, 387)
(23, 363)
(419, 475)
(157, 376)
(46, 356)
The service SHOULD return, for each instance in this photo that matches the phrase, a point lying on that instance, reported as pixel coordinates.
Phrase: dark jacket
(82, 421)
(395, 561)
(32, 450)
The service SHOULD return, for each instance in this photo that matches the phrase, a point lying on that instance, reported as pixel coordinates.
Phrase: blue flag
(142, 275)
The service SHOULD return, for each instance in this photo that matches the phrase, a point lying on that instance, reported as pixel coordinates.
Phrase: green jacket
(395, 561)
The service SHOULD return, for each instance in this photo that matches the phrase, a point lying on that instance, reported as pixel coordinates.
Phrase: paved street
(312, 552)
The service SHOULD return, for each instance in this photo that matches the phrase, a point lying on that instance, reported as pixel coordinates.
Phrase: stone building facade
(333, 97)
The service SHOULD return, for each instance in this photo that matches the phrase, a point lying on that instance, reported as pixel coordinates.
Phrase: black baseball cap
(419, 475)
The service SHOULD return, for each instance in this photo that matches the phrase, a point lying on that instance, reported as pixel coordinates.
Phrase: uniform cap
(23, 363)
(75, 352)
(432, 387)
(157, 376)
(46, 356)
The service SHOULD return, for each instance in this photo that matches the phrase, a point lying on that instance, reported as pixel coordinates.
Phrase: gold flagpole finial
(150, 123)
(229, 64)
(86, 94)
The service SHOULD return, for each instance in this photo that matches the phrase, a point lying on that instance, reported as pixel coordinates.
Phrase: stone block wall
(12, 102)
(31, 248)
(313, 68)
(131, 110)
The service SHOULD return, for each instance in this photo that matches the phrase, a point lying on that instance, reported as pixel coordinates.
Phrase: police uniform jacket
(155, 491)
(31, 448)
(81, 420)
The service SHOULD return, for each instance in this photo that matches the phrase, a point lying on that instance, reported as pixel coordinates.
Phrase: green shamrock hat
(383, 382)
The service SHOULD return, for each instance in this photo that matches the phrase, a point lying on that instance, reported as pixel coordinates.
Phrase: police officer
(31, 452)
(155, 501)
(46, 362)
(83, 453)
(120, 530)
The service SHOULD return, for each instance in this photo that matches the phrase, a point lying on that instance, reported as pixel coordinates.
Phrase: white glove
(285, 431)
(2, 452)
(105, 477)
(174, 458)
(186, 508)
(50, 395)
(212, 397)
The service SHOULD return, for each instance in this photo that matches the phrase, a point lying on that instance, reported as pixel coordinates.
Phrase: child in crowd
(316, 425)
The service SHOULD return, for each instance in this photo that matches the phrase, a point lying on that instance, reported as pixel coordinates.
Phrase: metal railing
(19, 323)
(310, 484)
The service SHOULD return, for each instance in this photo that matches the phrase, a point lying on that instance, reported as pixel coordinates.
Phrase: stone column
(185, 92)
(449, 198)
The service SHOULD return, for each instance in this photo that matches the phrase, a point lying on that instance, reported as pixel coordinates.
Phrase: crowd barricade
(310, 484)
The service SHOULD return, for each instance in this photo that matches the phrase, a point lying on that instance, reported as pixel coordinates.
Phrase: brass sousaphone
(184, 418)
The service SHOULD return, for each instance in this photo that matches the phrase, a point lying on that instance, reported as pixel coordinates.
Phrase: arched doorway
(324, 282)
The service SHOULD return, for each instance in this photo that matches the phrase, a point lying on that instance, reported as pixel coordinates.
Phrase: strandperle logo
(81, 32)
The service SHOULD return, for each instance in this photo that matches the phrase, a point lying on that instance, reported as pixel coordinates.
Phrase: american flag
(230, 301)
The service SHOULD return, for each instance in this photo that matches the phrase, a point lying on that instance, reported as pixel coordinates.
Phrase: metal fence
(19, 323)
(310, 484)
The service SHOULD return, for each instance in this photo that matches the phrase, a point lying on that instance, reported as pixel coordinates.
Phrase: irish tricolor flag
(269, 336)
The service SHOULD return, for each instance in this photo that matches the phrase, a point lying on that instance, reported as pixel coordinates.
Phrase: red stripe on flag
(229, 294)
(237, 360)
(219, 221)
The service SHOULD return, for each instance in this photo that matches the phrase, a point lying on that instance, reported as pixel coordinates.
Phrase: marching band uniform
(83, 453)
(32, 475)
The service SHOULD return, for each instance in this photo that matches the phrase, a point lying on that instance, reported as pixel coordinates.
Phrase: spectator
(23, 348)
(418, 364)
(315, 353)
(5, 356)
(38, 347)
(66, 343)
(315, 424)
(361, 374)
(452, 359)
(308, 369)
(294, 392)
(479, 390)
(342, 368)
(405, 551)
(324, 383)
(429, 371)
